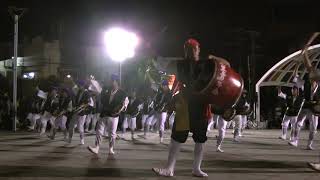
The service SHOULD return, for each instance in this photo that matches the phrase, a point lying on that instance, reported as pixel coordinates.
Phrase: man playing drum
(190, 114)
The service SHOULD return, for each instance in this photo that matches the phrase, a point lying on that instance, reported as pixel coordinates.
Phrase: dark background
(266, 31)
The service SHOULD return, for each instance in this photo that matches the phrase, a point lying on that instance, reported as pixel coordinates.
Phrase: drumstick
(305, 53)
(224, 61)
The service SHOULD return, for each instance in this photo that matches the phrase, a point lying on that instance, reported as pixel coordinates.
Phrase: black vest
(133, 107)
(52, 104)
(243, 106)
(294, 105)
(112, 108)
(147, 106)
(162, 99)
(64, 103)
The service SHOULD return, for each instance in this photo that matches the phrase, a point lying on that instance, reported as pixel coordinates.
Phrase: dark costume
(188, 72)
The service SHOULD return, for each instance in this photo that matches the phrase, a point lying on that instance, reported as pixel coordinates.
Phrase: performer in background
(191, 115)
(51, 105)
(131, 113)
(65, 107)
(82, 103)
(162, 99)
(91, 117)
(114, 101)
(221, 127)
(243, 109)
(294, 103)
(37, 104)
(146, 109)
(311, 94)
(96, 112)
(147, 117)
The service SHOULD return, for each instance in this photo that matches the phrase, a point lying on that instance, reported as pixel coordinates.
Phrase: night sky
(221, 27)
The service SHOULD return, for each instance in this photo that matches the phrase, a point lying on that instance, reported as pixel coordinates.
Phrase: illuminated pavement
(260, 155)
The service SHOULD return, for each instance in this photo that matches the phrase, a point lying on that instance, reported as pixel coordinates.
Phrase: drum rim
(214, 75)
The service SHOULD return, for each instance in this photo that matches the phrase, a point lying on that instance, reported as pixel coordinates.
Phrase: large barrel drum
(219, 85)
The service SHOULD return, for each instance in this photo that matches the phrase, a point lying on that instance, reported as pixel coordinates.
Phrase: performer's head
(192, 49)
(165, 85)
(295, 90)
(83, 84)
(115, 81)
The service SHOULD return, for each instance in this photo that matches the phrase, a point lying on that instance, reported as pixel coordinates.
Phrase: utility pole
(16, 13)
(252, 71)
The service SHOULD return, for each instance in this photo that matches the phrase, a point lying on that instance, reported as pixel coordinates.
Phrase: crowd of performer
(104, 109)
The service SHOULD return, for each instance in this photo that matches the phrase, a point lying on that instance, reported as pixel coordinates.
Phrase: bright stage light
(120, 44)
(31, 75)
(68, 76)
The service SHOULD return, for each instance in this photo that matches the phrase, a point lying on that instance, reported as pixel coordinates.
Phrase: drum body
(223, 85)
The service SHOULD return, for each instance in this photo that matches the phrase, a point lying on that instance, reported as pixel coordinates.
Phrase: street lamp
(120, 45)
(16, 13)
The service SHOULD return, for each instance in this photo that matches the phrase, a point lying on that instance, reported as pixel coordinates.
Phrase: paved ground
(260, 155)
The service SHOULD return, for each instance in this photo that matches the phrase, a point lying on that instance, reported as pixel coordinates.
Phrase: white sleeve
(126, 102)
(75, 89)
(282, 95)
(91, 102)
(140, 107)
(69, 106)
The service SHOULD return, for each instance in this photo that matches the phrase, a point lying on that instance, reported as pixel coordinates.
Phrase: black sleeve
(86, 97)
(104, 96)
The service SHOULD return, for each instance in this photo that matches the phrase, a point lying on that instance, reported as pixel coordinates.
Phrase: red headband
(191, 43)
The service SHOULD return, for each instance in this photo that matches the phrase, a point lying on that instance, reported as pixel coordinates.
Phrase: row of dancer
(300, 107)
(114, 102)
(243, 109)
(60, 108)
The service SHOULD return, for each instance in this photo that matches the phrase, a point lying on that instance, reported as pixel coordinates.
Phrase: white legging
(285, 124)
(111, 123)
(129, 122)
(89, 119)
(61, 122)
(210, 124)
(150, 120)
(222, 127)
(239, 121)
(33, 118)
(143, 120)
(45, 118)
(313, 125)
(162, 118)
(79, 121)
(171, 119)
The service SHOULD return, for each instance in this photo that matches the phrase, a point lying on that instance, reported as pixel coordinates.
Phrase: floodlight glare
(31, 75)
(68, 76)
(120, 44)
